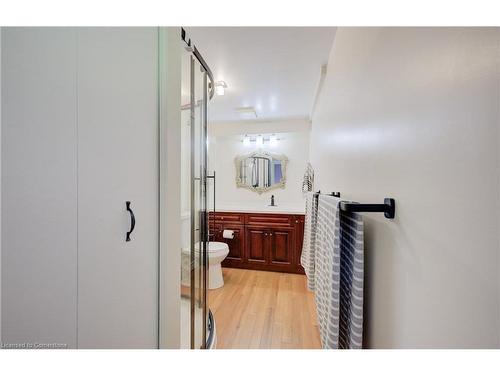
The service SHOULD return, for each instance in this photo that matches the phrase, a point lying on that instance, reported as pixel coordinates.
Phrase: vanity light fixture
(260, 141)
(220, 87)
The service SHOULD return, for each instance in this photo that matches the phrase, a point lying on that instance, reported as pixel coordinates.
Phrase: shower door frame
(207, 88)
(169, 89)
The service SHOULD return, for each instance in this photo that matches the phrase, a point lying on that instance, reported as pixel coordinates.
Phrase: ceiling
(274, 69)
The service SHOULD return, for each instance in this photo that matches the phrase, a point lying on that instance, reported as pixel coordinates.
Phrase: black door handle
(132, 221)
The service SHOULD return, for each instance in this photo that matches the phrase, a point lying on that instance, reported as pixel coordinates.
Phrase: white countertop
(286, 210)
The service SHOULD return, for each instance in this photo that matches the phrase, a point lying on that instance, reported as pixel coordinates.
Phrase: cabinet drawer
(228, 217)
(269, 220)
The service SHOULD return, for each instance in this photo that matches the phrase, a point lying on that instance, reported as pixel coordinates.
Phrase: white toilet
(217, 252)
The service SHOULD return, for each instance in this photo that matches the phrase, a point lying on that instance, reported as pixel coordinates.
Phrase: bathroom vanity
(262, 240)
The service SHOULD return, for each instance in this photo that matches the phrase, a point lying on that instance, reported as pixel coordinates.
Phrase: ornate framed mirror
(261, 171)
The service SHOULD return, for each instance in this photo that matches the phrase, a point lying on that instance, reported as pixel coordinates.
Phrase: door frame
(169, 210)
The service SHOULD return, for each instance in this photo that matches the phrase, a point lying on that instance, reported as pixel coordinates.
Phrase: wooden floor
(259, 309)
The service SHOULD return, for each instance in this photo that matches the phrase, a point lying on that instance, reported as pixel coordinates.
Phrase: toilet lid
(213, 247)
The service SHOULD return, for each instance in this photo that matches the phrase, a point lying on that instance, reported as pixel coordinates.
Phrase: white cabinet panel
(79, 138)
(39, 186)
(117, 161)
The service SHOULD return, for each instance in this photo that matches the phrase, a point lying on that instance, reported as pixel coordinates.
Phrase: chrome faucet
(272, 201)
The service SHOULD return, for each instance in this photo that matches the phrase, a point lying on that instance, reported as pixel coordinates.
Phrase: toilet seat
(217, 246)
(214, 249)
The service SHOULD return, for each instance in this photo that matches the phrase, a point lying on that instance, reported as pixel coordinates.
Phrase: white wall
(412, 113)
(226, 143)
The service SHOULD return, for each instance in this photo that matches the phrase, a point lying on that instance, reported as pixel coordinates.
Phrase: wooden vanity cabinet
(269, 242)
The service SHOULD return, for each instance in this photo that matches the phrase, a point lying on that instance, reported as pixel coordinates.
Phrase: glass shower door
(199, 205)
(194, 185)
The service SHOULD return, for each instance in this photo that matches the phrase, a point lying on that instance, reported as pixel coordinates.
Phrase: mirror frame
(260, 190)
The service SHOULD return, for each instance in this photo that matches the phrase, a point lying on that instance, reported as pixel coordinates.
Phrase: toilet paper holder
(228, 233)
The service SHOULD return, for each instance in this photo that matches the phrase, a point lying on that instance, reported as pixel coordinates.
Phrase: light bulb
(246, 141)
(260, 141)
(273, 140)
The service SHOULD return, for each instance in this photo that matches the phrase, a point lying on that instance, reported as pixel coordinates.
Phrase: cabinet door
(281, 246)
(117, 162)
(257, 245)
(299, 239)
(236, 245)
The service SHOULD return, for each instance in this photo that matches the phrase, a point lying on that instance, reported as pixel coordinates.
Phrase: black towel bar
(333, 193)
(388, 207)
